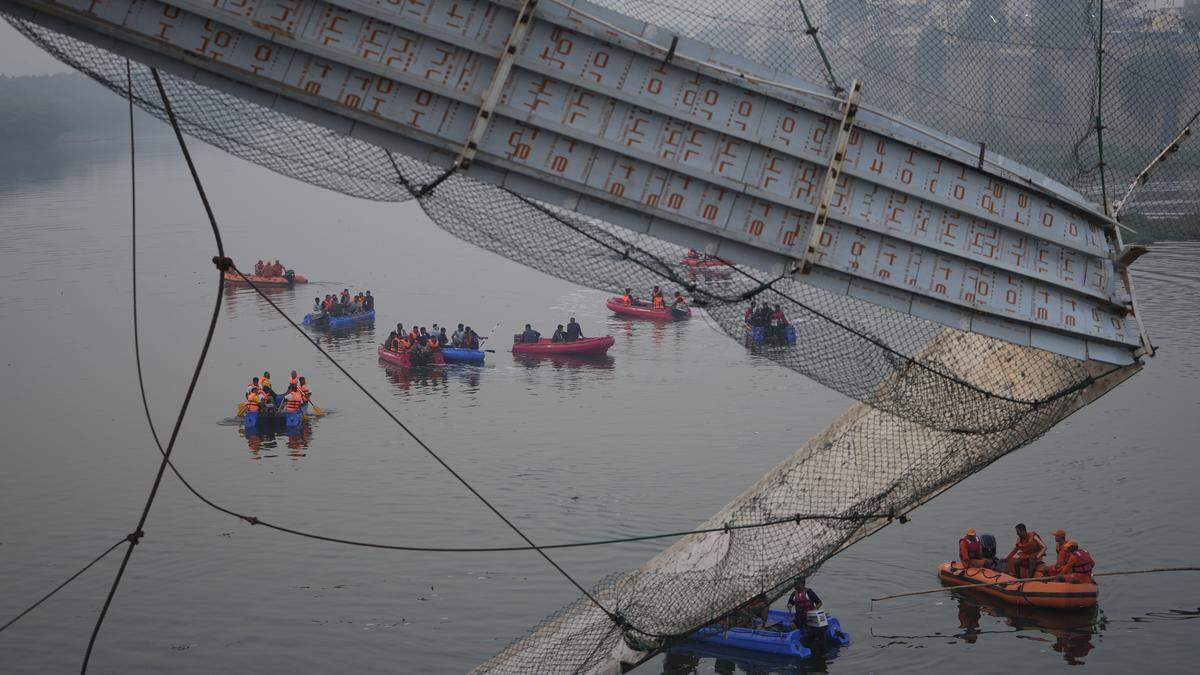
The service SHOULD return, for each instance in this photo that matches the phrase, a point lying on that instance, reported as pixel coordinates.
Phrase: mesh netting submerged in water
(937, 404)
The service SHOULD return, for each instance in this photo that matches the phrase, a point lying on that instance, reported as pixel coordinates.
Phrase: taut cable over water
(968, 301)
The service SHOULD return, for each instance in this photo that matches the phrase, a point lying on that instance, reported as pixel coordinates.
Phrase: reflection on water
(404, 380)
(663, 334)
(692, 658)
(265, 443)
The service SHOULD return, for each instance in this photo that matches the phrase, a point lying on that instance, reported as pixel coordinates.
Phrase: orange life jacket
(627, 299)
(294, 380)
(1062, 555)
(1030, 544)
(969, 549)
(658, 302)
(293, 401)
(432, 342)
(1079, 567)
(252, 401)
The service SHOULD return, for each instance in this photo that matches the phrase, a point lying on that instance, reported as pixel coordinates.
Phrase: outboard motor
(988, 543)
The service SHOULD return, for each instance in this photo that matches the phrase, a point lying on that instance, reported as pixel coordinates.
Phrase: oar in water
(316, 408)
(942, 589)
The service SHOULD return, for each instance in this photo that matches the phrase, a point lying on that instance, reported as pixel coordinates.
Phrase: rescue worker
(258, 268)
(294, 380)
(303, 389)
(293, 400)
(265, 384)
(1060, 550)
(472, 339)
(254, 400)
(530, 335)
(1079, 565)
(656, 298)
(277, 269)
(680, 301)
(574, 330)
(431, 341)
(802, 601)
(1026, 554)
(628, 298)
(560, 335)
(970, 550)
(253, 386)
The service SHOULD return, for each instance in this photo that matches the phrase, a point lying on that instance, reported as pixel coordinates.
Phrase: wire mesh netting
(936, 404)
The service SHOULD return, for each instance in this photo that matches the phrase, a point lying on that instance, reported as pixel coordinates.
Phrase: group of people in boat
(420, 340)
(754, 613)
(344, 304)
(1026, 560)
(570, 333)
(268, 269)
(657, 300)
(262, 397)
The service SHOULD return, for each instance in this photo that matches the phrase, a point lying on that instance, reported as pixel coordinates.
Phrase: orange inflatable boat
(267, 281)
(1049, 594)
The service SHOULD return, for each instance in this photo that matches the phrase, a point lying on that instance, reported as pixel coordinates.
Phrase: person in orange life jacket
(294, 378)
(656, 298)
(432, 342)
(802, 601)
(258, 268)
(628, 298)
(254, 386)
(1079, 565)
(1060, 551)
(277, 269)
(970, 550)
(293, 400)
(680, 301)
(254, 400)
(471, 339)
(1026, 554)
(302, 387)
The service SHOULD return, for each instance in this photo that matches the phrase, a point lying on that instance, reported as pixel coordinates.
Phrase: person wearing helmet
(970, 550)
(1079, 565)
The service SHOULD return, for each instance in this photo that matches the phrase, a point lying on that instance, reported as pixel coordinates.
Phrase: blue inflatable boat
(269, 419)
(758, 334)
(328, 321)
(780, 636)
(457, 355)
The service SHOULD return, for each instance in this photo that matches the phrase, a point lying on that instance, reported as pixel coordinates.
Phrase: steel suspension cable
(138, 532)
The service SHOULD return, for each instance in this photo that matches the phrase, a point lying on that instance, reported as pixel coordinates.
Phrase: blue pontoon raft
(775, 637)
(329, 321)
(458, 355)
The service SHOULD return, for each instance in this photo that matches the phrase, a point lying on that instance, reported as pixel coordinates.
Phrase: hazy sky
(19, 56)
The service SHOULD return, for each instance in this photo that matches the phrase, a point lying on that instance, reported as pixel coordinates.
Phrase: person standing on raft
(802, 601)
(1026, 554)
(628, 298)
(970, 550)
(574, 330)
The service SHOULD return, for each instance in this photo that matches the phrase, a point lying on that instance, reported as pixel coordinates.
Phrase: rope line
(63, 585)
(212, 326)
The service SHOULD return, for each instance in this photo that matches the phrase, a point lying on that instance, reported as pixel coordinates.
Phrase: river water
(679, 420)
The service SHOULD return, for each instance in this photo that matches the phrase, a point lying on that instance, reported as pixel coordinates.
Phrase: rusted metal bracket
(490, 98)
(849, 113)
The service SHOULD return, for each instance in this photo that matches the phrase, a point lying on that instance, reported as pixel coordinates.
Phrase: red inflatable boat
(593, 346)
(405, 360)
(644, 311)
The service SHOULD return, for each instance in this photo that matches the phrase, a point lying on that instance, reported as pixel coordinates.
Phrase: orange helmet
(970, 532)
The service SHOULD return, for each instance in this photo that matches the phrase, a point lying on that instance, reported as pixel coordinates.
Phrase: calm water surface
(678, 420)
